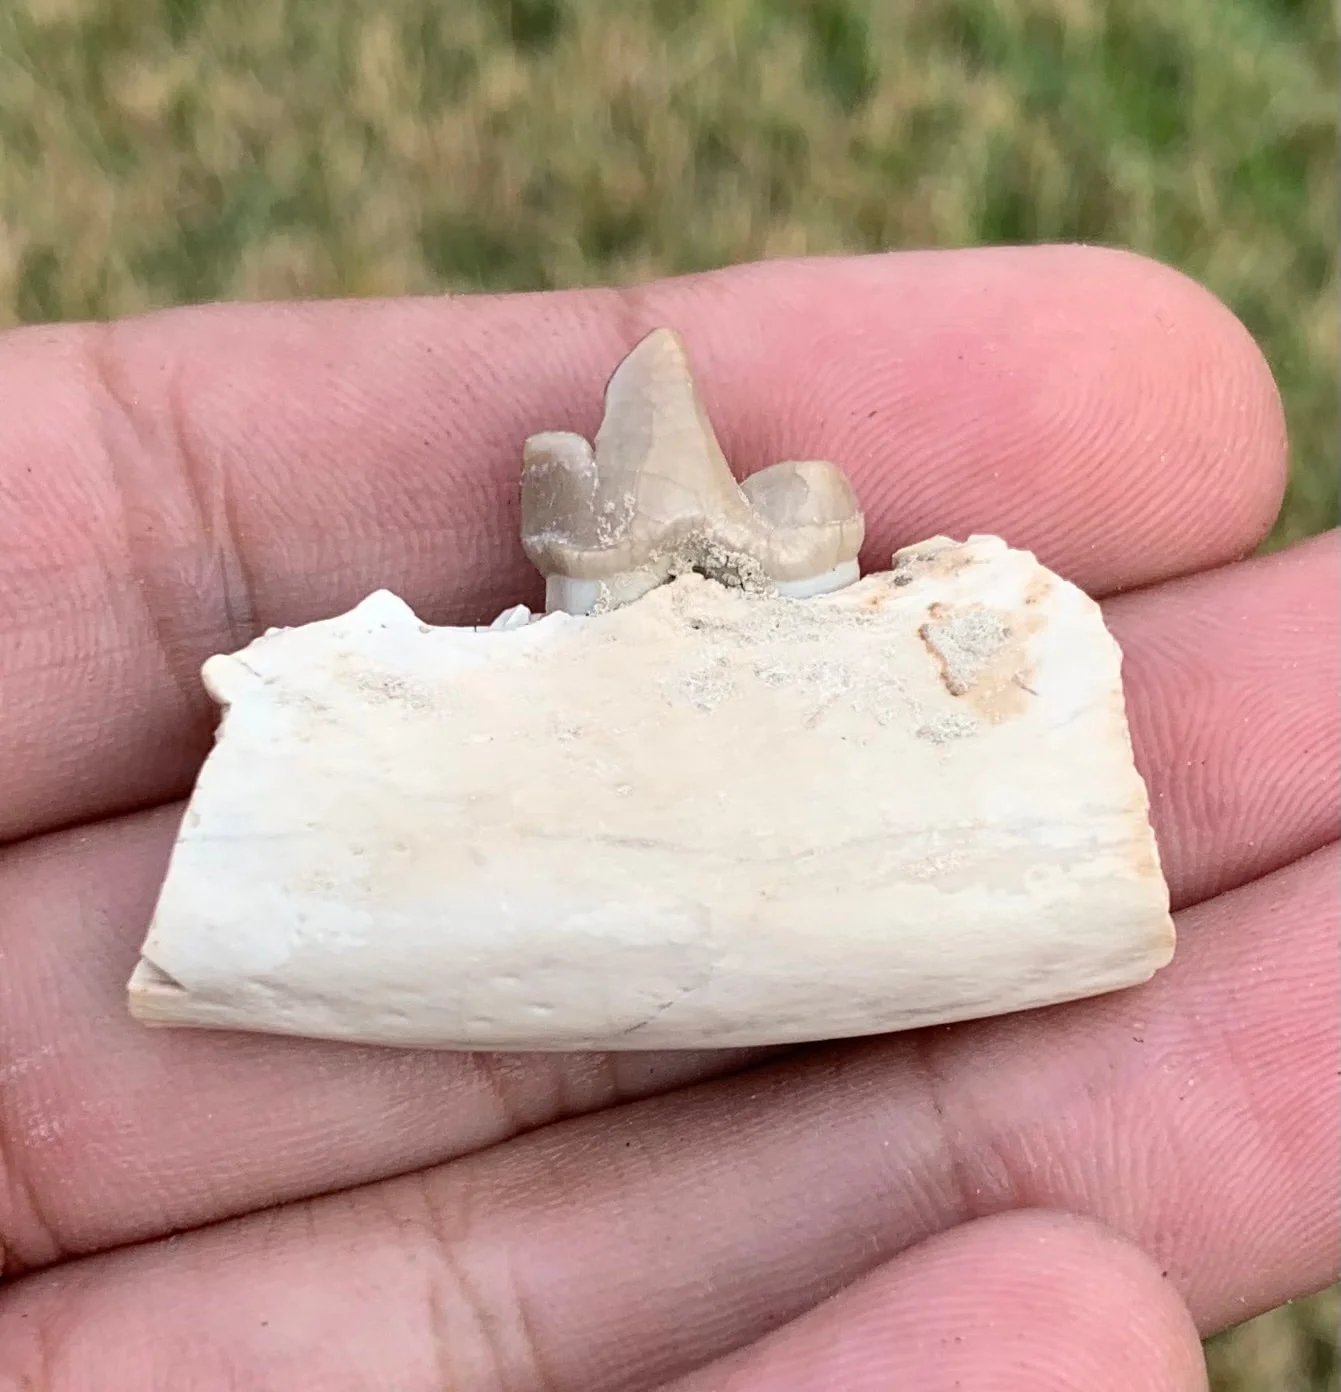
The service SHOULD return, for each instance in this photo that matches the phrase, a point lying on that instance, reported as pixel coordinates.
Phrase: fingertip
(1163, 413)
(1091, 404)
(1238, 465)
(1039, 1300)
(1068, 1296)
(1082, 1273)
(1230, 679)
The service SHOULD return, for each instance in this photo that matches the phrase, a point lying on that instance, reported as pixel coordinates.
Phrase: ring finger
(1193, 1118)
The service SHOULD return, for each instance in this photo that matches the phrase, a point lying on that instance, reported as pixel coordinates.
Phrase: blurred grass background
(158, 152)
(154, 152)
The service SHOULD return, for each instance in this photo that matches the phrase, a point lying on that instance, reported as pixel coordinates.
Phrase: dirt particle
(707, 556)
(944, 729)
(963, 642)
(707, 683)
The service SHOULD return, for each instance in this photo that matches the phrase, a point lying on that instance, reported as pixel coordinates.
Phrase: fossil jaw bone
(656, 498)
(717, 817)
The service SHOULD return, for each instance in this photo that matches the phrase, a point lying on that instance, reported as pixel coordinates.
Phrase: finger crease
(507, 1338)
(506, 1084)
(218, 605)
(41, 1246)
(215, 502)
(977, 1175)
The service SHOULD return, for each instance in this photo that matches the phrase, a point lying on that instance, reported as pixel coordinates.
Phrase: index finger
(178, 483)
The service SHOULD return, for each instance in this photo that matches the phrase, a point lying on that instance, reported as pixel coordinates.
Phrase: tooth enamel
(655, 498)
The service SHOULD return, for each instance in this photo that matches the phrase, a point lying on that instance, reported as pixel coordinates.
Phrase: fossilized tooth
(656, 497)
(710, 814)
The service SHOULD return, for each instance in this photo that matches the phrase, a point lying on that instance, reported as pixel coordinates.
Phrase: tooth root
(842, 575)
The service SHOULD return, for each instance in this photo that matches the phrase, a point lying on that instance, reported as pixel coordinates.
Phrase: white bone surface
(707, 818)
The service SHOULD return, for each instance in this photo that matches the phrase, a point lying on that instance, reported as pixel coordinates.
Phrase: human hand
(1054, 1200)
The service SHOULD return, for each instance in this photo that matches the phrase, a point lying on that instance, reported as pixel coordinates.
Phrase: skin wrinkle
(23, 1208)
(438, 1308)
(531, 1090)
(541, 1378)
(450, 1226)
(147, 523)
(214, 505)
(495, 1073)
(97, 342)
(42, 1353)
(976, 1172)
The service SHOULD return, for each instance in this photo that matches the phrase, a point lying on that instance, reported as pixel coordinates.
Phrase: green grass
(156, 152)
(163, 151)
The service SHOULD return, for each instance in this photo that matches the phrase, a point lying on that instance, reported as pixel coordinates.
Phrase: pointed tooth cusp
(655, 497)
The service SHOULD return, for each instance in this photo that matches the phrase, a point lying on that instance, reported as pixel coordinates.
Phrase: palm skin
(1064, 1199)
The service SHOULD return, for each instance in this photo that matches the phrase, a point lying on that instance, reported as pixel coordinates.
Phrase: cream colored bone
(656, 498)
(704, 814)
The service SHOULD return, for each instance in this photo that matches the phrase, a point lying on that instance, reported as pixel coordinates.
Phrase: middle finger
(116, 1133)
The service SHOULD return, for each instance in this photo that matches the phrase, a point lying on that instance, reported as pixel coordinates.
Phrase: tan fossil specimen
(727, 792)
(656, 498)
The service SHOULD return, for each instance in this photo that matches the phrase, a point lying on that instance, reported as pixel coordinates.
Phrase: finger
(1022, 1303)
(1030, 1302)
(175, 484)
(1194, 1117)
(123, 1133)
(110, 1132)
(1231, 681)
